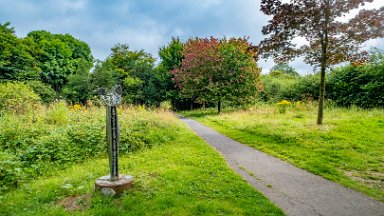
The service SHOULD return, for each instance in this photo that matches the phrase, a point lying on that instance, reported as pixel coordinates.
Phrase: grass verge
(184, 176)
(347, 149)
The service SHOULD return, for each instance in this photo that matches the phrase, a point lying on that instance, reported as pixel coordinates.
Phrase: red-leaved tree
(319, 22)
(216, 70)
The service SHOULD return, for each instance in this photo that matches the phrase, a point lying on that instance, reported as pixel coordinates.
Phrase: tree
(171, 58)
(59, 56)
(103, 76)
(218, 70)
(330, 41)
(45, 91)
(79, 87)
(136, 73)
(16, 61)
(284, 68)
(5, 28)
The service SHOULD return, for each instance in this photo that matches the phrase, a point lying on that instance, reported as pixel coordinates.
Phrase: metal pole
(113, 141)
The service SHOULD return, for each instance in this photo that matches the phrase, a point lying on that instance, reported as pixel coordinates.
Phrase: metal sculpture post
(113, 141)
(114, 183)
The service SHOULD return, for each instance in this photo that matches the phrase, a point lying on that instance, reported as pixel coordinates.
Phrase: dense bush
(349, 85)
(17, 97)
(10, 171)
(277, 86)
(358, 85)
(31, 145)
(307, 89)
(45, 91)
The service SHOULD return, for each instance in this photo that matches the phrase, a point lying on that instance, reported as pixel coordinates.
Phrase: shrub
(57, 114)
(277, 86)
(10, 171)
(45, 92)
(166, 105)
(358, 85)
(373, 95)
(17, 97)
(307, 88)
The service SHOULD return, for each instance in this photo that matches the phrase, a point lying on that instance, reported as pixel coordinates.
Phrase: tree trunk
(321, 96)
(324, 40)
(323, 66)
(219, 106)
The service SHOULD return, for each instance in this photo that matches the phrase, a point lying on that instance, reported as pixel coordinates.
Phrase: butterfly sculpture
(111, 97)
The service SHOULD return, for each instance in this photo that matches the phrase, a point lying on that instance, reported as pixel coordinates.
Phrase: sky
(145, 24)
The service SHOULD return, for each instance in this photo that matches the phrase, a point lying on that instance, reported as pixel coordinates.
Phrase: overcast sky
(143, 24)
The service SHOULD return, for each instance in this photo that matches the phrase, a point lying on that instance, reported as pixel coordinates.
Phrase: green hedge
(360, 86)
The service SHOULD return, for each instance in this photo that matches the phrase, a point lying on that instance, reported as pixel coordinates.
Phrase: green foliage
(10, 171)
(307, 89)
(183, 176)
(283, 68)
(79, 86)
(239, 78)
(171, 56)
(346, 86)
(62, 135)
(57, 114)
(16, 60)
(142, 84)
(278, 86)
(59, 56)
(347, 149)
(358, 85)
(44, 56)
(166, 105)
(45, 92)
(329, 40)
(104, 76)
(17, 98)
(377, 56)
(5, 28)
(133, 86)
(218, 70)
(156, 89)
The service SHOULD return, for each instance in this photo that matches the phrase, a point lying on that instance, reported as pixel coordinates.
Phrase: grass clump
(182, 176)
(347, 149)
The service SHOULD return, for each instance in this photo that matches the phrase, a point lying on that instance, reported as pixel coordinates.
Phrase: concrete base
(110, 188)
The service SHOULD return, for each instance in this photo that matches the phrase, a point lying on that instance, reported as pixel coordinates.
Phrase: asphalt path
(296, 191)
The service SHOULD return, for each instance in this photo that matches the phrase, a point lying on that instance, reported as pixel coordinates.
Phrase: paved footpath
(296, 191)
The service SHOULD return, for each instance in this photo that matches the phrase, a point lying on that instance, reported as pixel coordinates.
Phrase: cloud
(144, 24)
(70, 5)
(145, 38)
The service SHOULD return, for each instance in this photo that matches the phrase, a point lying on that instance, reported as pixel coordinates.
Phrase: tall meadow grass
(43, 139)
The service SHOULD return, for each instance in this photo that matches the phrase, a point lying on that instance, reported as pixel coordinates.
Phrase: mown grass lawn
(183, 176)
(347, 149)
